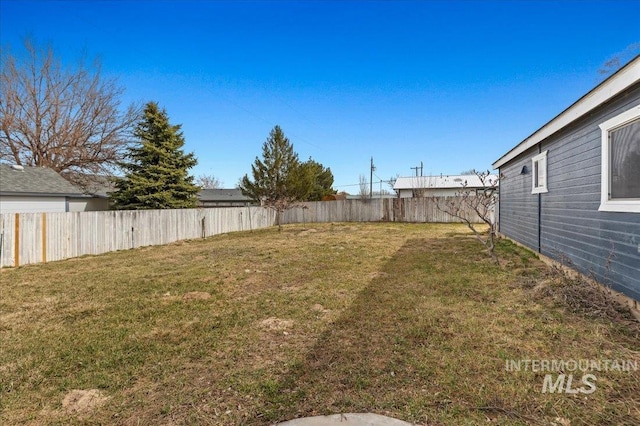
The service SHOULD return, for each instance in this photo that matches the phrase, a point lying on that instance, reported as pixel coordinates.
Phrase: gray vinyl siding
(35, 204)
(601, 244)
(518, 207)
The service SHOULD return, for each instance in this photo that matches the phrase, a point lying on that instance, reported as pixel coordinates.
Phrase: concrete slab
(349, 419)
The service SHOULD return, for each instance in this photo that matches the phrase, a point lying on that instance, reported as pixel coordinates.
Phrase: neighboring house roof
(25, 180)
(605, 91)
(218, 195)
(91, 184)
(101, 188)
(443, 182)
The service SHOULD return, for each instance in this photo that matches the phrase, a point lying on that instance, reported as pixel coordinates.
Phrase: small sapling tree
(473, 206)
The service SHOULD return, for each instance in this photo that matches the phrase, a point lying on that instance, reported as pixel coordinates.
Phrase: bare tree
(615, 62)
(382, 192)
(470, 205)
(205, 181)
(66, 119)
(363, 183)
(392, 181)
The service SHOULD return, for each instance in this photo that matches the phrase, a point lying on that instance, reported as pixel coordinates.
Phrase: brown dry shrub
(580, 295)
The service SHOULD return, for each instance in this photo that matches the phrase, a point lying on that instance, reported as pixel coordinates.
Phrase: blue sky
(453, 84)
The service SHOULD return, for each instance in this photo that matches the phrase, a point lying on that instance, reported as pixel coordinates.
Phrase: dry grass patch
(412, 321)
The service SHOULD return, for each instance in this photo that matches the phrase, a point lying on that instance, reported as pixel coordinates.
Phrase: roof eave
(42, 194)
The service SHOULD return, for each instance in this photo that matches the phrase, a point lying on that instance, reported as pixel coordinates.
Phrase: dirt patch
(196, 295)
(276, 324)
(307, 232)
(378, 274)
(80, 401)
(319, 308)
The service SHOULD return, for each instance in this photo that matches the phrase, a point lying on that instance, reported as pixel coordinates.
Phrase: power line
(263, 119)
(343, 186)
(357, 184)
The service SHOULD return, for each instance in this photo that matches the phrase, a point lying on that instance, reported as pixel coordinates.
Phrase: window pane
(625, 161)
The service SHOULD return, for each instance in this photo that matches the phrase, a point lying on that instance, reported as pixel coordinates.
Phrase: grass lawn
(410, 321)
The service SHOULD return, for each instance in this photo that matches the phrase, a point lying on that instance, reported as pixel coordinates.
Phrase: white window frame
(538, 186)
(606, 204)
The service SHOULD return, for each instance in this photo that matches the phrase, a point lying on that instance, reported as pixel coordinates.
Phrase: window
(539, 171)
(620, 191)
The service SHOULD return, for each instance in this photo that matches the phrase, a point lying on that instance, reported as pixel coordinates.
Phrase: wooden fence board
(65, 235)
(420, 210)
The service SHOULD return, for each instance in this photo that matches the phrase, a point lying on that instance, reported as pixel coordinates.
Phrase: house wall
(22, 204)
(603, 244)
(440, 192)
(88, 204)
(518, 208)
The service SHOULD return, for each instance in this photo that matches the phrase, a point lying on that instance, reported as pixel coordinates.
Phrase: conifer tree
(279, 180)
(157, 174)
(322, 180)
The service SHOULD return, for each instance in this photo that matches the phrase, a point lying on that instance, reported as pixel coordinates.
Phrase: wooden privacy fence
(41, 237)
(375, 210)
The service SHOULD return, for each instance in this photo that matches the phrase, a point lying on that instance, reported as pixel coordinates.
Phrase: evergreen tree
(279, 180)
(322, 180)
(157, 175)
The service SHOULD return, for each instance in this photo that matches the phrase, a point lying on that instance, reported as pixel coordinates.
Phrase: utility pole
(371, 179)
(416, 168)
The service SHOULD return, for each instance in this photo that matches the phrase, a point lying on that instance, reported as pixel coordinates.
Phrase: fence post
(44, 237)
(16, 241)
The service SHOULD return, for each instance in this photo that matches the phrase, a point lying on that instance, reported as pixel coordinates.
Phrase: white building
(26, 189)
(440, 186)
